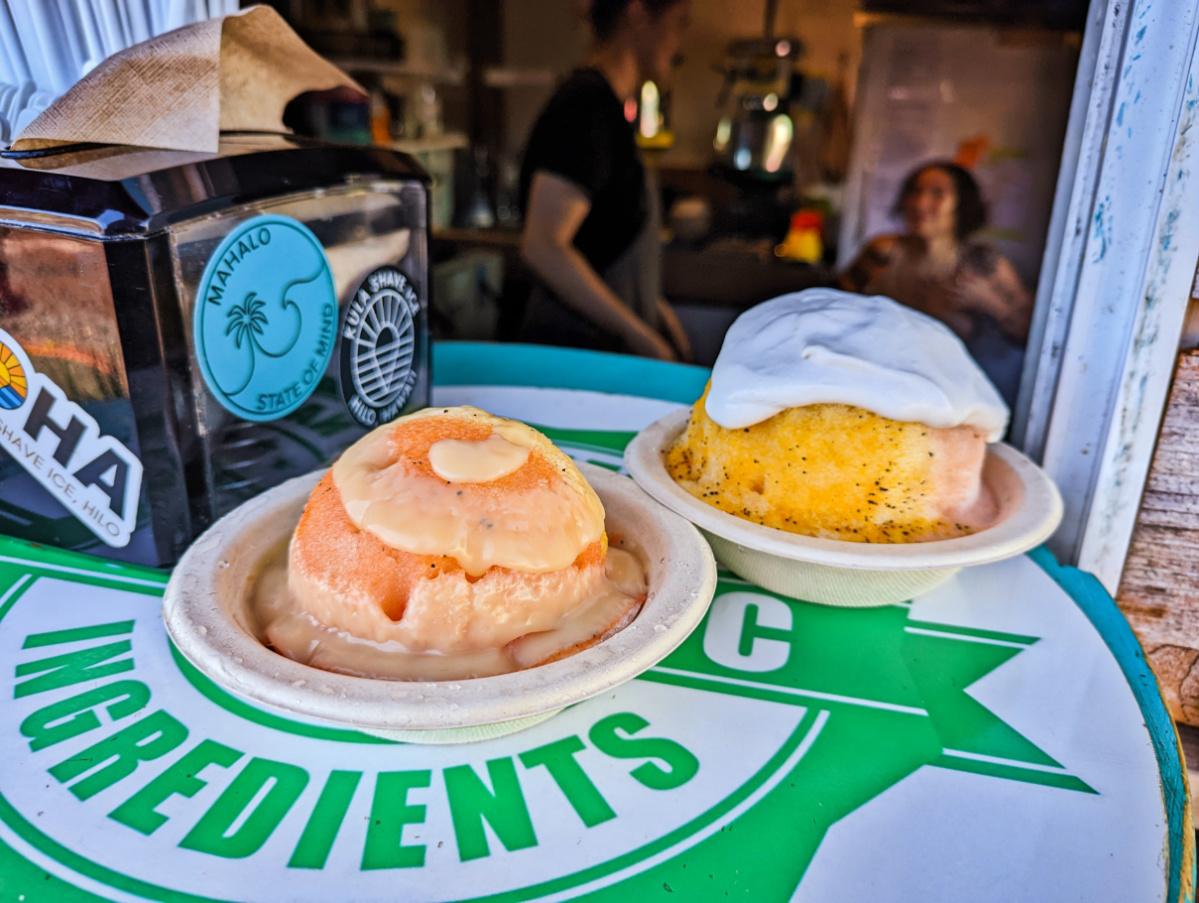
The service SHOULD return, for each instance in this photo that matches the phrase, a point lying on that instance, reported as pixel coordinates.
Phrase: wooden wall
(1159, 591)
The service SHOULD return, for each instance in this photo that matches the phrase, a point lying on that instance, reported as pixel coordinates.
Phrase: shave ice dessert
(846, 417)
(448, 544)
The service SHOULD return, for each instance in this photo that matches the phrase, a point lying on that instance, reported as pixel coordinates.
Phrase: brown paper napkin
(179, 90)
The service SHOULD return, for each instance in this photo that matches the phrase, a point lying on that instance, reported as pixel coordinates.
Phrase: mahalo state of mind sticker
(379, 347)
(265, 319)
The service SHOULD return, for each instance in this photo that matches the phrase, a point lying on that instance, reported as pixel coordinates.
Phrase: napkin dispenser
(181, 331)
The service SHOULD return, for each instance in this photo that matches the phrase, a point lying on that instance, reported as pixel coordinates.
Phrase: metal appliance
(179, 332)
(753, 137)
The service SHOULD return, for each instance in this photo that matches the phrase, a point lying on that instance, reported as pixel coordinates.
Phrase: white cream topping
(824, 346)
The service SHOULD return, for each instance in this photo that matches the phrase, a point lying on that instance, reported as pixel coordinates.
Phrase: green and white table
(999, 739)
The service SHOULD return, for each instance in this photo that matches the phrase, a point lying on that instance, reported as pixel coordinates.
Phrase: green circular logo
(265, 317)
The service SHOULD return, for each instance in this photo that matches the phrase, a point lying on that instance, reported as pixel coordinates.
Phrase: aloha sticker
(378, 347)
(265, 318)
(14, 380)
(94, 476)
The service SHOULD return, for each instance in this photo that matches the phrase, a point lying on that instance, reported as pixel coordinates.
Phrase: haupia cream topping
(824, 346)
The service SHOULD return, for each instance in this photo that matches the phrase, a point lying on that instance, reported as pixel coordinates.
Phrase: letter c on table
(732, 639)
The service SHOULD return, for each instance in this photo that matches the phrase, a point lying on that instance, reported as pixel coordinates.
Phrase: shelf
(501, 77)
(447, 141)
(452, 74)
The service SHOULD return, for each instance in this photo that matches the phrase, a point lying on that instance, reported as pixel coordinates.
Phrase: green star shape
(895, 692)
(846, 662)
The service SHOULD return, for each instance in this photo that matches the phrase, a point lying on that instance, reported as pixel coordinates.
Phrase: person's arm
(675, 331)
(871, 260)
(555, 210)
(993, 287)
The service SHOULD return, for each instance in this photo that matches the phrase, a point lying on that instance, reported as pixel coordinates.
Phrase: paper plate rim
(682, 584)
(1029, 525)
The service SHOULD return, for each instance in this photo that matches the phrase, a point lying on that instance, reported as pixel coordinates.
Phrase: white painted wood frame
(1117, 274)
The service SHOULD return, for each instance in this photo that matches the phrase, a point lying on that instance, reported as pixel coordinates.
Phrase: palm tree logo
(247, 321)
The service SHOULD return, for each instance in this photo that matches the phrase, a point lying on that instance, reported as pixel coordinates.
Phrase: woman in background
(937, 268)
(591, 232)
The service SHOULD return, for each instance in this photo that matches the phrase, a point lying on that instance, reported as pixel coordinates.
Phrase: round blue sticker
(265, 318)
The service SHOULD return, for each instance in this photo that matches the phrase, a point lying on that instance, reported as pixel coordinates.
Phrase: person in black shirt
(591, 226)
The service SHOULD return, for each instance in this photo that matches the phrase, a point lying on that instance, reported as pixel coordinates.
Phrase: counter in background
(709, 285)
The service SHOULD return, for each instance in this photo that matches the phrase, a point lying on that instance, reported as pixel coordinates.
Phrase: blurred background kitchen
(778, 148)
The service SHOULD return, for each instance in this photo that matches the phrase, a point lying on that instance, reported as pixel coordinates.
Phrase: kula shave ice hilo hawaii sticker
(379, 347)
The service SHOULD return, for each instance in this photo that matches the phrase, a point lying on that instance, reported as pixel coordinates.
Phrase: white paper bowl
(834, 572)
(206, 612)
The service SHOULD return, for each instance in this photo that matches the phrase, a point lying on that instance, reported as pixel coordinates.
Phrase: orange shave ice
(448, 544)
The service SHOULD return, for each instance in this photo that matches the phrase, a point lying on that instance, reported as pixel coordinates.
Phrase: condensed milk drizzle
(536, 529)
(459, 461)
